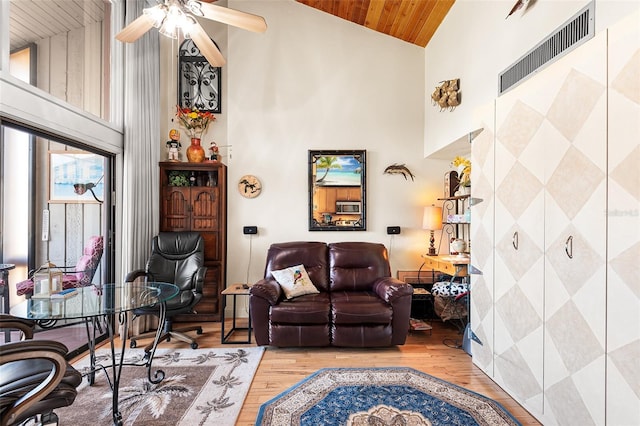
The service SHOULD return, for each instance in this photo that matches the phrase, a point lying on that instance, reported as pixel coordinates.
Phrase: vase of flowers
(463, 167)
(195, 123)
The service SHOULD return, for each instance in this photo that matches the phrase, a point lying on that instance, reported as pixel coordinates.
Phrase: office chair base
(177, 334)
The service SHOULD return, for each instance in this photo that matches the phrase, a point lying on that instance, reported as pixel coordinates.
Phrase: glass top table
(92, 301)
(112, 302)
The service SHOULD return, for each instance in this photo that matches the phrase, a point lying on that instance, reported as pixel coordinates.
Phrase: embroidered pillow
(294, 281)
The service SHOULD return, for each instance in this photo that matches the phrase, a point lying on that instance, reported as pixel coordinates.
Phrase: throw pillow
(294, 281)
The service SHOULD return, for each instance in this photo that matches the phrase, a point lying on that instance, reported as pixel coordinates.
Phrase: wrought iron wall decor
(198, 81)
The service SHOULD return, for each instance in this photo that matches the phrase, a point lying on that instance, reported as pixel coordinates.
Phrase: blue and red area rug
(380, 396)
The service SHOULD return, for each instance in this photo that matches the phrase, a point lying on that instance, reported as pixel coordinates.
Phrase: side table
(234, 290)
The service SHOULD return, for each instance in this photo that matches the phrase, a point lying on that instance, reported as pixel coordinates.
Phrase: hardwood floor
(282, 368)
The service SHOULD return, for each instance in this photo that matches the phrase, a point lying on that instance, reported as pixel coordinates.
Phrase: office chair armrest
(133, 275)
(9, 322)
(34, 349)
(199, 279)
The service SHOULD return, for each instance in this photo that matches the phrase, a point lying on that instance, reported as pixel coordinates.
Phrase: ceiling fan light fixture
(194, 7)
(157, 14)
(188, 25)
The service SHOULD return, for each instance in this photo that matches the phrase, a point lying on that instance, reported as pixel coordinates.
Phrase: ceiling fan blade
(135, 29)
(206, 46)
(244, 20)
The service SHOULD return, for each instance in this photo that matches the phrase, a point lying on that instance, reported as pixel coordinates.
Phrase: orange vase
(195, 152)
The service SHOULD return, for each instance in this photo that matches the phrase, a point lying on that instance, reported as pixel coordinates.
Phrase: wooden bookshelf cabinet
(193, 197)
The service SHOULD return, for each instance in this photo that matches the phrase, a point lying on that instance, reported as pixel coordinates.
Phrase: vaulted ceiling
(414, 21)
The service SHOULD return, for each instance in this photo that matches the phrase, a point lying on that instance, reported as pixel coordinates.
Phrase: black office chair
(177, 258)
(35, 377)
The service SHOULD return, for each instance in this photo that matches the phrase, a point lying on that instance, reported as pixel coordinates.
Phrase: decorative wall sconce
(447, 95)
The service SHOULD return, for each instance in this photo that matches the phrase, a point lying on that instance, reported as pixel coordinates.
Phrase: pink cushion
(78, 278)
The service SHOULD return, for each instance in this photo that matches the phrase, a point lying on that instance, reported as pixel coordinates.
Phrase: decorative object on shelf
(463, 168)
(432, 221)
(457, 246)
(399, 169)
(195, 151)
(214, 152)
(249, 186)
(450, 183)
(447, 95)
(196, 123)
(173, 145)
(199, 84)
(177, 178)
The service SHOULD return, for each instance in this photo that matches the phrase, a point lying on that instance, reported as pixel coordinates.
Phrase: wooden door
(176, 209)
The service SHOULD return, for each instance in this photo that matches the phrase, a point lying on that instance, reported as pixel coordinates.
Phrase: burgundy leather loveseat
(359, 304)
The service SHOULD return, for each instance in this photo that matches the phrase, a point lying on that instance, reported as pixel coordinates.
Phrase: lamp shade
(432, 218)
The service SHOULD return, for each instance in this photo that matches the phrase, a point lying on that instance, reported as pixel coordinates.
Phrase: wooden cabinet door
(204, 209)
(176, 209)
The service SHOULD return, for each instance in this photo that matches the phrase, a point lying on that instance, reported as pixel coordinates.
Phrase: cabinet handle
(568, 247)
(514, 240)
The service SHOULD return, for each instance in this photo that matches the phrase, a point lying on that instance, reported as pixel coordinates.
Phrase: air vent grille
(573, 33)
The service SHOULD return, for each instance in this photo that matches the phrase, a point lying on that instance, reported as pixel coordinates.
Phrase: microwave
(348, 207)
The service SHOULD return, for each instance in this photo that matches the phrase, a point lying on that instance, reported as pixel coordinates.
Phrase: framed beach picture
(76, 177)
(337, 190)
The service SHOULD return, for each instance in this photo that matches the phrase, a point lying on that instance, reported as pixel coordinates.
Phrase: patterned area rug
(380, 396)
(201, 387)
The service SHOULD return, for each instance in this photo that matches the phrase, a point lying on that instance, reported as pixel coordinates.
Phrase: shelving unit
(193, 197)
(456, 218)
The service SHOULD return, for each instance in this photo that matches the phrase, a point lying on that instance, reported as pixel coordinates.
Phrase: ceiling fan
(172, 16)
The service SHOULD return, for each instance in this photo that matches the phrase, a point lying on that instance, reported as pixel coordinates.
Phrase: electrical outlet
(393, 230)
(250, 230)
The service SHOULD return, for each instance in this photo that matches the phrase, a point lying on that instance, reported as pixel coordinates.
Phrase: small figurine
(173, 145)
(213, 148)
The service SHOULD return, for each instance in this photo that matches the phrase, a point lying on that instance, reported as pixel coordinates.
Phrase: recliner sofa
(358, 303)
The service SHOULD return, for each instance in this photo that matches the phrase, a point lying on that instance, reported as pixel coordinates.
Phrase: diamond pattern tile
(627, 266)
(520, 318)
(574, 181)
(519, 261)
(575, 272)
(518, 189)
(627, 173)
(516, 375)
(566, 404)
(573, 338)
(483, 299)
(625, 360)
(627, 81)
(518, 129)
(573, 103)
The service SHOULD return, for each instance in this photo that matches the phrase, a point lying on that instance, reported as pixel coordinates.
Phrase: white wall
(475, 43)
(315, 81)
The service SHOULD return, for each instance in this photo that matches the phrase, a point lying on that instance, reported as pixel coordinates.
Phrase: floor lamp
(432, 221)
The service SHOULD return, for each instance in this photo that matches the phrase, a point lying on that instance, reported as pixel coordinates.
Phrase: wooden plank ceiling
(414, 21)
(32, 20)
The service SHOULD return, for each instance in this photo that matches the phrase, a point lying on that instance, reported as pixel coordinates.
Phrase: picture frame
(76, 177)
(337, 190)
